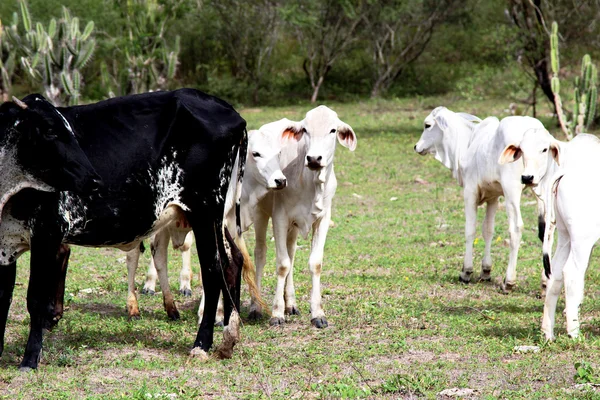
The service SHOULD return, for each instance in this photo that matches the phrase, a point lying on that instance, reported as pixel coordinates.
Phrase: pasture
(400, 323)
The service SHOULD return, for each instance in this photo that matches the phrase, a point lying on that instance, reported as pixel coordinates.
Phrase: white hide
(303, 206)
(471, 150)
(568, 174)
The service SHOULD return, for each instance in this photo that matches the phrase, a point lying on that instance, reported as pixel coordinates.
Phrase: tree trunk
(543, 78)
(316, 88)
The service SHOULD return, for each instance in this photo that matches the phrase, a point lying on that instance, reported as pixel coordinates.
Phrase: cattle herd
(165, 165)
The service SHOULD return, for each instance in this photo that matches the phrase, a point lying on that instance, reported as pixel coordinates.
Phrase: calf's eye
(332, 131)
(545, 150)
(427, 126)
(256, 154)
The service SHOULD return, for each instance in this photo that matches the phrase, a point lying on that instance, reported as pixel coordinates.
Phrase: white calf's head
(264, 147)
(537, 148)
(322, 126)
(433, 131)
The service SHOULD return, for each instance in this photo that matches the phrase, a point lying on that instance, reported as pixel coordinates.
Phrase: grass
(401, 325)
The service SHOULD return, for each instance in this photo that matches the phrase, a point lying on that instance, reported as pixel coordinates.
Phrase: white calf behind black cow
(568, 172)
(471, 149)
(305, 205)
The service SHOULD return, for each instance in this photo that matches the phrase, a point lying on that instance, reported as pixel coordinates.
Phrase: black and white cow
(109, 175)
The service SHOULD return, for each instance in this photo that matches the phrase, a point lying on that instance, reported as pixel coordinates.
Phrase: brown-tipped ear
(292, 132)
(555, 151)
(346, 136)
(510, 154)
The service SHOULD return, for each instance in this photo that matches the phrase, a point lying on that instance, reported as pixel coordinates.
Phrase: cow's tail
(248, 269)
(550, 225)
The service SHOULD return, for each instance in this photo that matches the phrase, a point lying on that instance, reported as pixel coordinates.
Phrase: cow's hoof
(173, 315)
(149, 292)
(320, 322)
(292, 311)
(135, 317)
(26, 369)
(275, 321)
(219, 323)
(198, 353)
(486, 276)
(255, 315)
(185, 292)
(231, 335)
(462, 280)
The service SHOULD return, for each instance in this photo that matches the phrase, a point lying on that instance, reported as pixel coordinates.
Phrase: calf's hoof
(185, 292)
(463, 280)
(486, 276)
(231, 335)
(26, 369)
(320, 322)
(219, 323)
(292, 310)
(149, 292)
(506, 288)
(255, 315)
(134, 317)
(275, 321)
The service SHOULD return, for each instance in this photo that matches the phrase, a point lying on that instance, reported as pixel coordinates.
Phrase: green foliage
(585, 92)
(584, 373)
(8, 53)
(53, 56)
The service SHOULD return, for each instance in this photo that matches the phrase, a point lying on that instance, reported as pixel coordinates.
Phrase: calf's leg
(289, 292)
(470, 227)
(260, 259)
(488, 236)
(185, 276)
(315, 264)
(160, 248)
(132, 257)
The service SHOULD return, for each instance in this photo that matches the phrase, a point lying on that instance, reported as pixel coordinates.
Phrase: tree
(8, 55)
(399, 31)
(249, 31)
(325, 29)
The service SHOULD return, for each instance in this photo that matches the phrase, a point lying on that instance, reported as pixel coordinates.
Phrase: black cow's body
(156, 158)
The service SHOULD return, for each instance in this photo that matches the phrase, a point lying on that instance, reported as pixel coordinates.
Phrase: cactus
(151, 61)
(8, 55)
(54, 56)
(585, 92)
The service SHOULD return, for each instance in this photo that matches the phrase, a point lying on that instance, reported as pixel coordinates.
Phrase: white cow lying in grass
(307, 162)
(570, 174)
(262, 175)
(470, 148)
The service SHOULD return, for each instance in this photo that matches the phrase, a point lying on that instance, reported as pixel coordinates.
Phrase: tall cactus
(8, 55)
(585, 92)
(53, 56)
(151, 60)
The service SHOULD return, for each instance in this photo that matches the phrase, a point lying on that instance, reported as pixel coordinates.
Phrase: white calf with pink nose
(568, 171)
(304, 206)
(470, 148)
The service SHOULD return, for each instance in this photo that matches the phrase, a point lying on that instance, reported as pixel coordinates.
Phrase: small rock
(358, 196)
(421, 181)
(457, 392)
(393, 198)
(526, 349)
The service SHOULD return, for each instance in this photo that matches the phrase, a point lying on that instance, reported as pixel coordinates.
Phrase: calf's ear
(346, 136)
(555, 151)
(293, 131)
(510, 154)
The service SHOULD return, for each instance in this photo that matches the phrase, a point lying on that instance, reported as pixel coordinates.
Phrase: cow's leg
(555, 283)
(470, 228)
(151, 276)
(488, 236)
(515, 228)
(284, 264)
(260, 258)
(44, 281)
(160, 248)
(315, 264)
(291, 307)
(133, 257)
(62, 262)
(8, 275)
(185, 276)
(574, 274)
(212, 278)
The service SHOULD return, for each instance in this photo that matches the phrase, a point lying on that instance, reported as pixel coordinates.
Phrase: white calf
(569, 173)
(471, 150)
(305, 205)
